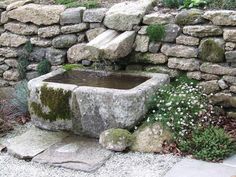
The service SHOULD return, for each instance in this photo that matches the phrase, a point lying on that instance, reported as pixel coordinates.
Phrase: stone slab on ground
(32, 142)
(231, 161)
(77, 153)
(197, 168)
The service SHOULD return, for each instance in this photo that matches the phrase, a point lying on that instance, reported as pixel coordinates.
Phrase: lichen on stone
(56, 101)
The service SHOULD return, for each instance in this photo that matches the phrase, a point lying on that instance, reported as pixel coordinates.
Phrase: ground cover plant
(156, 32)
(75, 3)
(183, 109)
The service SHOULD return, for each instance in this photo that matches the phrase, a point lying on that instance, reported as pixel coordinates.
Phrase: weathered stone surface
(74, 28)
(134, 67)
(12, 40)
(4, 17)
(33, 142)
(143, 30)
(123, 16)
(162, 69)
(32, 67)
(202, 30)
(149, 58)
(116, 139)
(230, 79)
(232, 101)
(230, 46)
(55, 56)
(11, 62)
(81, 38)
(8, 52)
(172, 31)
(40, 42)
(21, 28)
(189, 17)
(232, 89)
(150, 138)
(3, 68)
(32, 75)
(230, 56)
(158, 18)
(2, 30)
(93, 33)
(37, 14)
(49, 31)
(95, 25)
(77, 53)
(142, 43)
(38, 54)
(212, 50)
(230, 34)
(11, 75)
(179, 51)
(3, 83)
(222, 84)
(187, 40)
(64, 41)
(221, 98)
(72, 16)
(221, 17)
(17, 4)
(217, 69)
(154, 47)
(194, 75)
(94, 15)
(208, 77)
(184, 64)
(210, 86)
(75, 153)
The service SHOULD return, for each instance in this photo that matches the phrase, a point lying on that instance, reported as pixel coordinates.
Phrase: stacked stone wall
(199, 43)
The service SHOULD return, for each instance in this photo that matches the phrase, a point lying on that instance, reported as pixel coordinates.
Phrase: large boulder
(212, 50)
(116, 139)
(221, 17)
(202, 30)
(37, 14)
(179, 51)
(125, 15)
(189, 17)
(150, 138)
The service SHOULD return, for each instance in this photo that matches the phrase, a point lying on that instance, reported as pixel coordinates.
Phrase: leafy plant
(156, 32)
(222, 4)
(44, 67)
(194, 3)
(171, 3)
(211, 144)
(69, 67)
(21, 67)
(20, 97)
(74, 3)
(176, 106)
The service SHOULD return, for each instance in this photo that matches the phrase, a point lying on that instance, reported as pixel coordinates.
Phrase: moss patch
(211, 51)
(57, 100)
(117, 135)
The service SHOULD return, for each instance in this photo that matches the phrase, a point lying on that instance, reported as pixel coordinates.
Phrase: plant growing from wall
(44, 67)
(69, 67)
(156, 32)
(171, 3)
(222, 4)
(74, 3)
(194, 3)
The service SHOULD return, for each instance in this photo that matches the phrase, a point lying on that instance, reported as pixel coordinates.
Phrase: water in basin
(99, 79)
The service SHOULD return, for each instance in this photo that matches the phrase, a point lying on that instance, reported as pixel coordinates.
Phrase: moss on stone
(56, 100)
(188, 17)
(211, 51)
(117, 135)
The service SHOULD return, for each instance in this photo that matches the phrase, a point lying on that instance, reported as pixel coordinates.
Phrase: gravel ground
(119, 165)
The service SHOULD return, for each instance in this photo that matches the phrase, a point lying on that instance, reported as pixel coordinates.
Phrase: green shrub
(171, 3)
(21, 67)
(69, 67)
(177, 105)
(222, 4)
(211, 144)
(74, 3)
(156, 32)
(44, 67)
(194, 3)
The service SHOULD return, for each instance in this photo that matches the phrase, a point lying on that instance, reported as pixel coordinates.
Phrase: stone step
(111, 45)
(77, 153)
(32, 142)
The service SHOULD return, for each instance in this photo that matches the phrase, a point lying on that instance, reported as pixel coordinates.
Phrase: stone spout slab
(77, 153)
(33, 142)
(111, 45)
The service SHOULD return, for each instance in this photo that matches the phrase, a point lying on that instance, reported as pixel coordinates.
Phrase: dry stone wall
(199, 43)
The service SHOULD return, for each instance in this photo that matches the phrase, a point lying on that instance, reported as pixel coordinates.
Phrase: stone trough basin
(89, 102)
